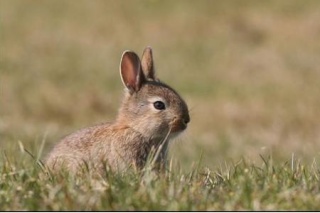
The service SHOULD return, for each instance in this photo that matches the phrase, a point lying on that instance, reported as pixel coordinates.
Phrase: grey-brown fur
(138, 129)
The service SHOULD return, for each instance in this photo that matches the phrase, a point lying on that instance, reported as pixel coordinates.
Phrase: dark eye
(159, 105)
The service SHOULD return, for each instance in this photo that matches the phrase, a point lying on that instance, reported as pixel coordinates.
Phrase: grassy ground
(235, 186)
(249, 71)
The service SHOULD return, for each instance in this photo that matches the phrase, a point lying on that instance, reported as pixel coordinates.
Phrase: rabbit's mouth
(179, 125)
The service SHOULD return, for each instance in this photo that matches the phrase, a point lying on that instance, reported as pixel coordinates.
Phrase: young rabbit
(151, 114)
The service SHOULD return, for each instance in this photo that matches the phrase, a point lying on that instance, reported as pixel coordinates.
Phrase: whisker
(191, 108)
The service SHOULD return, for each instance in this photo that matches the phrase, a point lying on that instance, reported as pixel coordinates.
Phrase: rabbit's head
(150, 107)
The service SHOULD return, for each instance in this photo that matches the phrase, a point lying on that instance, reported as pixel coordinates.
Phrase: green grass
(248, 70)
(233, 186)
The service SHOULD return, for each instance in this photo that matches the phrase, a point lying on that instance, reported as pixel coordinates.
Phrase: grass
(234, 186)
(248, 70)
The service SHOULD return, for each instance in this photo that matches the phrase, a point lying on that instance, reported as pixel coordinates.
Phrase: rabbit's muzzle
(180, 124)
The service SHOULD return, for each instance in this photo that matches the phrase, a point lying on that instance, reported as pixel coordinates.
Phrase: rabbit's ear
(147, 64)
(130, 71)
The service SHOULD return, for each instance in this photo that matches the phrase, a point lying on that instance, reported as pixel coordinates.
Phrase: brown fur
(138, 129)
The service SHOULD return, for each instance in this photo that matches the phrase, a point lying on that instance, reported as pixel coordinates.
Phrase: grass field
(249, 70)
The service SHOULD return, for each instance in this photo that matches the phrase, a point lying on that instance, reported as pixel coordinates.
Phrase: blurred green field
(249, 70)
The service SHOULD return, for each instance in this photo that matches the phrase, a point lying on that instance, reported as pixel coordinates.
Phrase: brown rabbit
(150, 115)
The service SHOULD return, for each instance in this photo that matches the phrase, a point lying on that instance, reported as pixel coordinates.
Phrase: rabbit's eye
(159, 105)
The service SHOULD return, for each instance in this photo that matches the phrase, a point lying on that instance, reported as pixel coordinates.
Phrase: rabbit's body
(101, 144)
(151, 114)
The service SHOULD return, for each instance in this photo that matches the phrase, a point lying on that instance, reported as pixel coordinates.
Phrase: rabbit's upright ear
(130, 71)
(147, 64)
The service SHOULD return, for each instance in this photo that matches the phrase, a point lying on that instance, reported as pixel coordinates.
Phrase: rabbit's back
(77, 147)
(106, 144)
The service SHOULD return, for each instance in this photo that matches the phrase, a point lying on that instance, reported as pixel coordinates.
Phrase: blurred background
(249, 70)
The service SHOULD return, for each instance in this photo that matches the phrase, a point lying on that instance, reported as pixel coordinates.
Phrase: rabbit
(151, 114)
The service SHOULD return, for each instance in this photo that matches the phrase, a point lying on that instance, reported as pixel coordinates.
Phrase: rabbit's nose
(186, 120)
